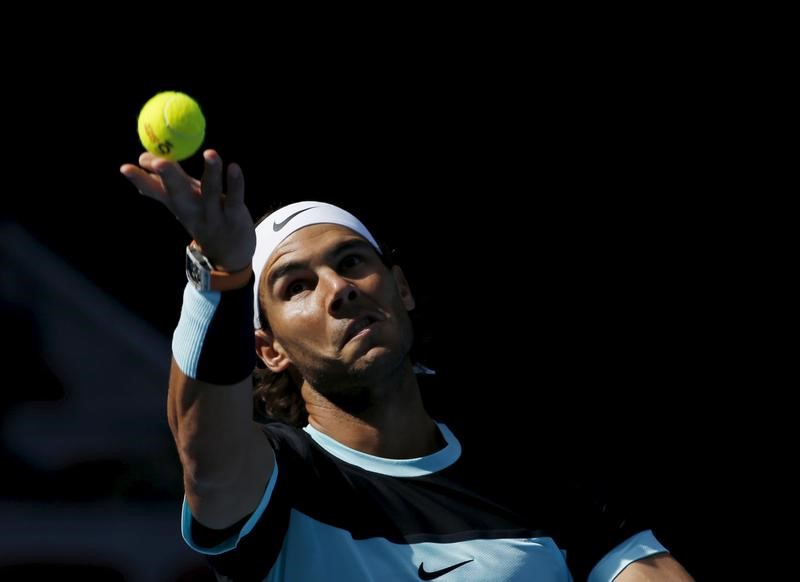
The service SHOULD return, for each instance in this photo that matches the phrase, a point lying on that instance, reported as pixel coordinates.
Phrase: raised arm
(226, 458)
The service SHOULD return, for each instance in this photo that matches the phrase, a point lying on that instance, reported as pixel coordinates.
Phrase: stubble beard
(351, 388)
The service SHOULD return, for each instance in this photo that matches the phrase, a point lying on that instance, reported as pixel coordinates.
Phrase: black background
(548, 214)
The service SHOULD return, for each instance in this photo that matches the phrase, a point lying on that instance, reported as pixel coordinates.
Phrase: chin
(377, 360)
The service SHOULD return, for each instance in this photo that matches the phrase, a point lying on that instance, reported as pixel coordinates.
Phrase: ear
(271, 352)
(403, 288)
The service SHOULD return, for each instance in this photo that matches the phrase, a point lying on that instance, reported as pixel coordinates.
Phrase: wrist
(230, 264)
(214, 341)
(204, 276)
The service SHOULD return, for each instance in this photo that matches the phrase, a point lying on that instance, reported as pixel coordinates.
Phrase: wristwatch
(203, 277)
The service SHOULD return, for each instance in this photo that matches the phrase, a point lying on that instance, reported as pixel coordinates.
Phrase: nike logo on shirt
(423, 575)
(276, 226)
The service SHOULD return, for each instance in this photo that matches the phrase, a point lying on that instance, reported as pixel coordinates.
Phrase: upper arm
(658, 568)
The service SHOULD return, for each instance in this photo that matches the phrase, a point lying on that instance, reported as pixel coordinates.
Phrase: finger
(147, 184)
(177, 184)
(127, 169)
(211, 184)
(146, 161)
(150, 162)
(235, 185)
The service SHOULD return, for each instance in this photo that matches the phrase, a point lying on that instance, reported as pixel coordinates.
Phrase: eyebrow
(287, 268)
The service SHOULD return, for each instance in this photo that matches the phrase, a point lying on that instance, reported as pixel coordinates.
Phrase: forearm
(211, 425)
(210, 403)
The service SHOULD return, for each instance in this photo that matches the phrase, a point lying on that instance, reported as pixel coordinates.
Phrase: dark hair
(277, 397)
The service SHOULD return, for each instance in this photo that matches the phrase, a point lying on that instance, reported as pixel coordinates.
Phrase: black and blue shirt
(333, 513)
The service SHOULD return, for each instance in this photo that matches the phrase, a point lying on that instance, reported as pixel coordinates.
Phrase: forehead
(311, 241)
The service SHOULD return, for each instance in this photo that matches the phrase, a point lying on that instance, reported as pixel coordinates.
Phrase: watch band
(203, 277)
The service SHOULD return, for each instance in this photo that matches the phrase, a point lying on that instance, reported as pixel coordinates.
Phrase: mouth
(358, 327)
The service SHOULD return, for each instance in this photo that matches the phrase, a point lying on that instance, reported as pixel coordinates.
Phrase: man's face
(335, 310)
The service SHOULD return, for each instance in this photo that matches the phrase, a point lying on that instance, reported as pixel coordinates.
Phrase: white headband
(272, 231)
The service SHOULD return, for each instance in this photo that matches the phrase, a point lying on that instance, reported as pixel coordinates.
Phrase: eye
(295, 287)
(350, 262)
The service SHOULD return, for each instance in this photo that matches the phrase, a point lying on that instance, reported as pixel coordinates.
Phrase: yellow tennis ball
(172, 126)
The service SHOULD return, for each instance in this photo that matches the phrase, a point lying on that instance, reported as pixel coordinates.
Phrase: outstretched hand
(219, 222)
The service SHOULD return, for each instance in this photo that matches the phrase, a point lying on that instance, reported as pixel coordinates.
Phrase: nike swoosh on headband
(276, 226)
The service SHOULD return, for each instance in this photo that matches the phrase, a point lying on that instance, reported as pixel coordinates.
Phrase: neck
(390, 420)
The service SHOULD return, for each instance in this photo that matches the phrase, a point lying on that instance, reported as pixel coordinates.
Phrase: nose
(342, 292)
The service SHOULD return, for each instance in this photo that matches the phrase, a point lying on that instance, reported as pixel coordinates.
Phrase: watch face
(197, 269)
(193, 270)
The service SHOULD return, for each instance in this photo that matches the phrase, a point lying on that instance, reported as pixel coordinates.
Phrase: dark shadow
(59, 571)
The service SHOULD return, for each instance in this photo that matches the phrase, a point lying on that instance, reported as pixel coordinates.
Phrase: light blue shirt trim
(226, 546)
(641, 545)
(394, 467)
(196, 315)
